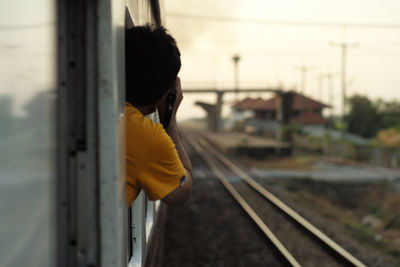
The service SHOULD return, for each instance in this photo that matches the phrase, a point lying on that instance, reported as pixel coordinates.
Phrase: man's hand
(162, 107)
(179, 98)
(181, 194)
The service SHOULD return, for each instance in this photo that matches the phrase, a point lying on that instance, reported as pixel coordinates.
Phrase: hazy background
(27, 139)
(26, 50)
(269, 37)
(269, 51)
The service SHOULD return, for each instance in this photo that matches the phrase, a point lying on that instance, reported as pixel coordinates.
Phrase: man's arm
(180, 194)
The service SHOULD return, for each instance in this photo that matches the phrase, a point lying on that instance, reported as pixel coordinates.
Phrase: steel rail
(246, 207)
(278, 203)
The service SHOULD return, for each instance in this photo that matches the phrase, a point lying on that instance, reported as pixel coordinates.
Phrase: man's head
(152, 64)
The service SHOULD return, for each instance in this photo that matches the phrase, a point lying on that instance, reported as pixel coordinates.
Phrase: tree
(389, 113)
(363, 117)
(366, 117)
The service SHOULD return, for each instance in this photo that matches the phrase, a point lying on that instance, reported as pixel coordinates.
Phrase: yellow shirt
(152, 162)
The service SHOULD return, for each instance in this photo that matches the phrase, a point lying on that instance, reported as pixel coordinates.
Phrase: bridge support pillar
(214, 112)
(212, 124)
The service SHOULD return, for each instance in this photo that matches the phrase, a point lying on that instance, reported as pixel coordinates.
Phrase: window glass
(27, 139)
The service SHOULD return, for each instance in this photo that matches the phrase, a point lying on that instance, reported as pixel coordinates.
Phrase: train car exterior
(62, 99)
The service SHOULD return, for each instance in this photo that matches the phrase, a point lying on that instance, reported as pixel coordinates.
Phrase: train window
(143, 214)
(27, 133)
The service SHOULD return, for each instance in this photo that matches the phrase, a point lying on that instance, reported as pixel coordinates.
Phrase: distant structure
(214, 110)
(267, 117)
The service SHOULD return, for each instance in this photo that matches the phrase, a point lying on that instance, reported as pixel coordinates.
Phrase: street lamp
(236, 59)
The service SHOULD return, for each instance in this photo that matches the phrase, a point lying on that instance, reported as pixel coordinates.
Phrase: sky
(27, 49)
(271, 53)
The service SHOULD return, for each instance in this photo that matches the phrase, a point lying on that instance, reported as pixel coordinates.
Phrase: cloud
(188, 30)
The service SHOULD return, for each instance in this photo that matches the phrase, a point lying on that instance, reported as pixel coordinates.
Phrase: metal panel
(77, 135)
(144, 216)
(111, 87)
(139, 231)
(150, 212)
(149, 218)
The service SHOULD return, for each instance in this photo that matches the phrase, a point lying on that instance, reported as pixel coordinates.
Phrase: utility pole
(236, 59)
(330, 76)
(320, 79)
(344, 46)
(303, 69)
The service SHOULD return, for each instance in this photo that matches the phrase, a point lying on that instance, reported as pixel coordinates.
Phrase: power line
(290, 53)
(283, 22)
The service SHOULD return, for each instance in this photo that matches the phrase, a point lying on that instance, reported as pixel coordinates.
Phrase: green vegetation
(362, 117)
(287, 163)
(364, 234)
(289, 130)
(366, 117)
(389, 137)
(369, 211)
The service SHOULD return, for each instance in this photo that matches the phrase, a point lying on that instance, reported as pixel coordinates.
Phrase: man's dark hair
(152, 64)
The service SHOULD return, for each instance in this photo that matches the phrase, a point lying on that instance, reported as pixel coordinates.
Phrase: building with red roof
(303, 110)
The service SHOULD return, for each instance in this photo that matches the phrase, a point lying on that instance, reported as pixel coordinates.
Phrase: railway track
(298, 241)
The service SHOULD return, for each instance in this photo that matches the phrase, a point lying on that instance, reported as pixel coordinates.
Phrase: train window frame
(111, 120)
(91, 219)
(143, 213)
(94, 225)
(77, 166)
